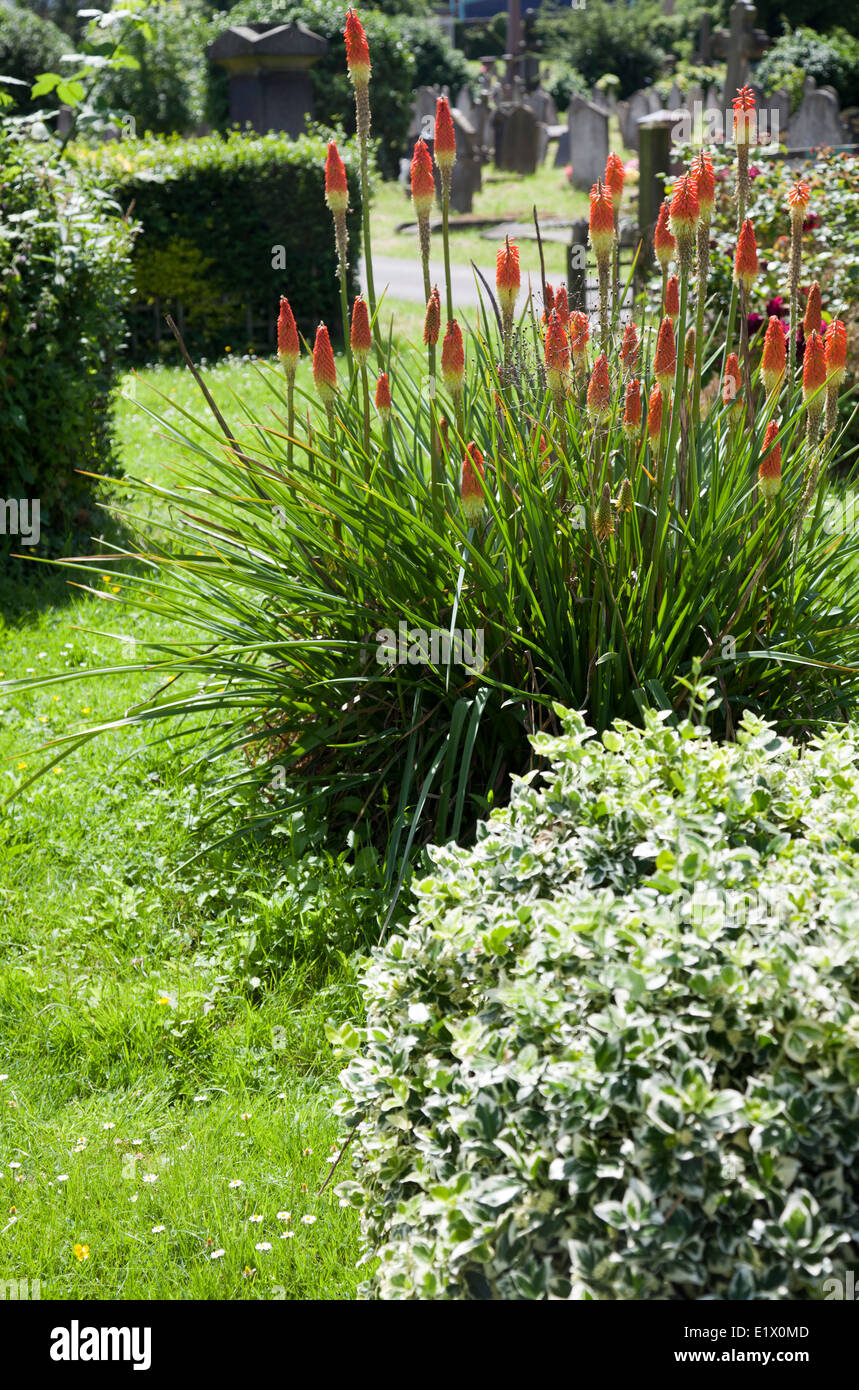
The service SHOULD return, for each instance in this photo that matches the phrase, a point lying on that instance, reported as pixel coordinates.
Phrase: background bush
(615, 1054)
(407, 51)
(211, 213)
(831, 59)
(64, 275)
(166, 94)
(604, 37)
(28, 46)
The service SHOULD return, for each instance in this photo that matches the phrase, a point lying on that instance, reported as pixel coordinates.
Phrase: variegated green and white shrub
(615, 1054)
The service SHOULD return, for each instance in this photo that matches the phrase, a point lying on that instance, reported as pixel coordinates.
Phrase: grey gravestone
(642, 103)
(739, 45)
(818, 120)
(466, 178)
(516, 140)
(561, 133)
(463, 102)
(269, 73)
(588, 141)
(423, 114)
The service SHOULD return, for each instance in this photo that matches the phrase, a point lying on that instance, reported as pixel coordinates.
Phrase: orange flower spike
(769, 472)
(835, 352)
(357, 50)
(665, 364)
(336, 187)
(685, 214)
(324, 370)
(445, 136)
(471, 491)
(773, 356)
(731, 381)
(507, 276)
(813, 322)
(745, 116)
(813, 366)
(361, 336)
(548, 302)
(580, 332)
(453, 359)
(797, 200)
(604, 515)
(557, 355)
(629, 350)
(672, 297)
(599, 390)
(704, 179)
(383, 397)
(746, 261)
(632, 409)
(654, 414)
(432, 320)
(664, 245)
(614, 179)
(562, 306)
(288, 343)
(423, 182)
(601, 222)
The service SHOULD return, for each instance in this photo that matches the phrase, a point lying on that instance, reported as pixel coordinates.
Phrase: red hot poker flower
(336, 187)
(324, 370)
(548, 302)
(704, 180)
(629, 350)
(599, 390)
(672, 297)
(580, 332)
(432, 320)
(813, 323)
(654, 414)
(745, 121)
(746, 261)
(731, 381)
(383, 396)
(664, 244)
(423, 182)
(689, 348)
(773, 356)
(835, 344)
(445, 136)
(357, 50)
(769, 472)
(453, 358)
(362, 338)
(473, 501)
(632, 408)
(562, 306)
(685, 214)
(557, 354)
(288, 344)
(601, 222)
(798, 200)
(507, 276)
(665, 364)
(614, 178)
(813, 366)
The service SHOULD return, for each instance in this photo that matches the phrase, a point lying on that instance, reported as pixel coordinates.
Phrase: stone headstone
(516, 140)
(588, 126)
(423, 114)
(642, 103)
(466, 178)
(463, 102)
(777, 107)
(269, 74)
(818, 120)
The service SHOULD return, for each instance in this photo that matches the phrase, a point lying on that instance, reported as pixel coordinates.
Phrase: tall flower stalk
(507, 283)
(705, 188)
(444, 149)
(798, 202)
(360, 69)
(337, 198)
(602, 237)
(288, 350)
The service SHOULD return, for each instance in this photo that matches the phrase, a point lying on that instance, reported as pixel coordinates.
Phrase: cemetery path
(403, 280)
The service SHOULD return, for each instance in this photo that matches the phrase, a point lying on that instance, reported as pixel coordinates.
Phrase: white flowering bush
(615, 1055)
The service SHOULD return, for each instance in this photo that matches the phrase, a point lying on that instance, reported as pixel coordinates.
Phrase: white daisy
(150, 1177)
(287, 1235)
(14, 1163)
(263, 1245)
(284, 1216)
(108, 1124)
(236, 1182)
(255, 1219)
(156, 1230)
(308, 1220)
(217, 1254)
(62, 1177)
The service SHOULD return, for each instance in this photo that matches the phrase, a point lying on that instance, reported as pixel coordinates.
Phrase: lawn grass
(146, 1062)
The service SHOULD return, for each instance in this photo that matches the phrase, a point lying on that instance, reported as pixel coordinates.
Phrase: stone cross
(739, 45)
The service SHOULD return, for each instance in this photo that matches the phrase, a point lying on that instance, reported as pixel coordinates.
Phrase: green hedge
(615, 1054)
(212, 213)
(406, 52)
(64, 275)
(29, 46)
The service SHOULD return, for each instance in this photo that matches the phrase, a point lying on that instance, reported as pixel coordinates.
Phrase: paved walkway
(404, 280)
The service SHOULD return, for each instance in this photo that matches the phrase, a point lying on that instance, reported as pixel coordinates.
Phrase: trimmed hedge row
(64, 277)
(227, 226)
